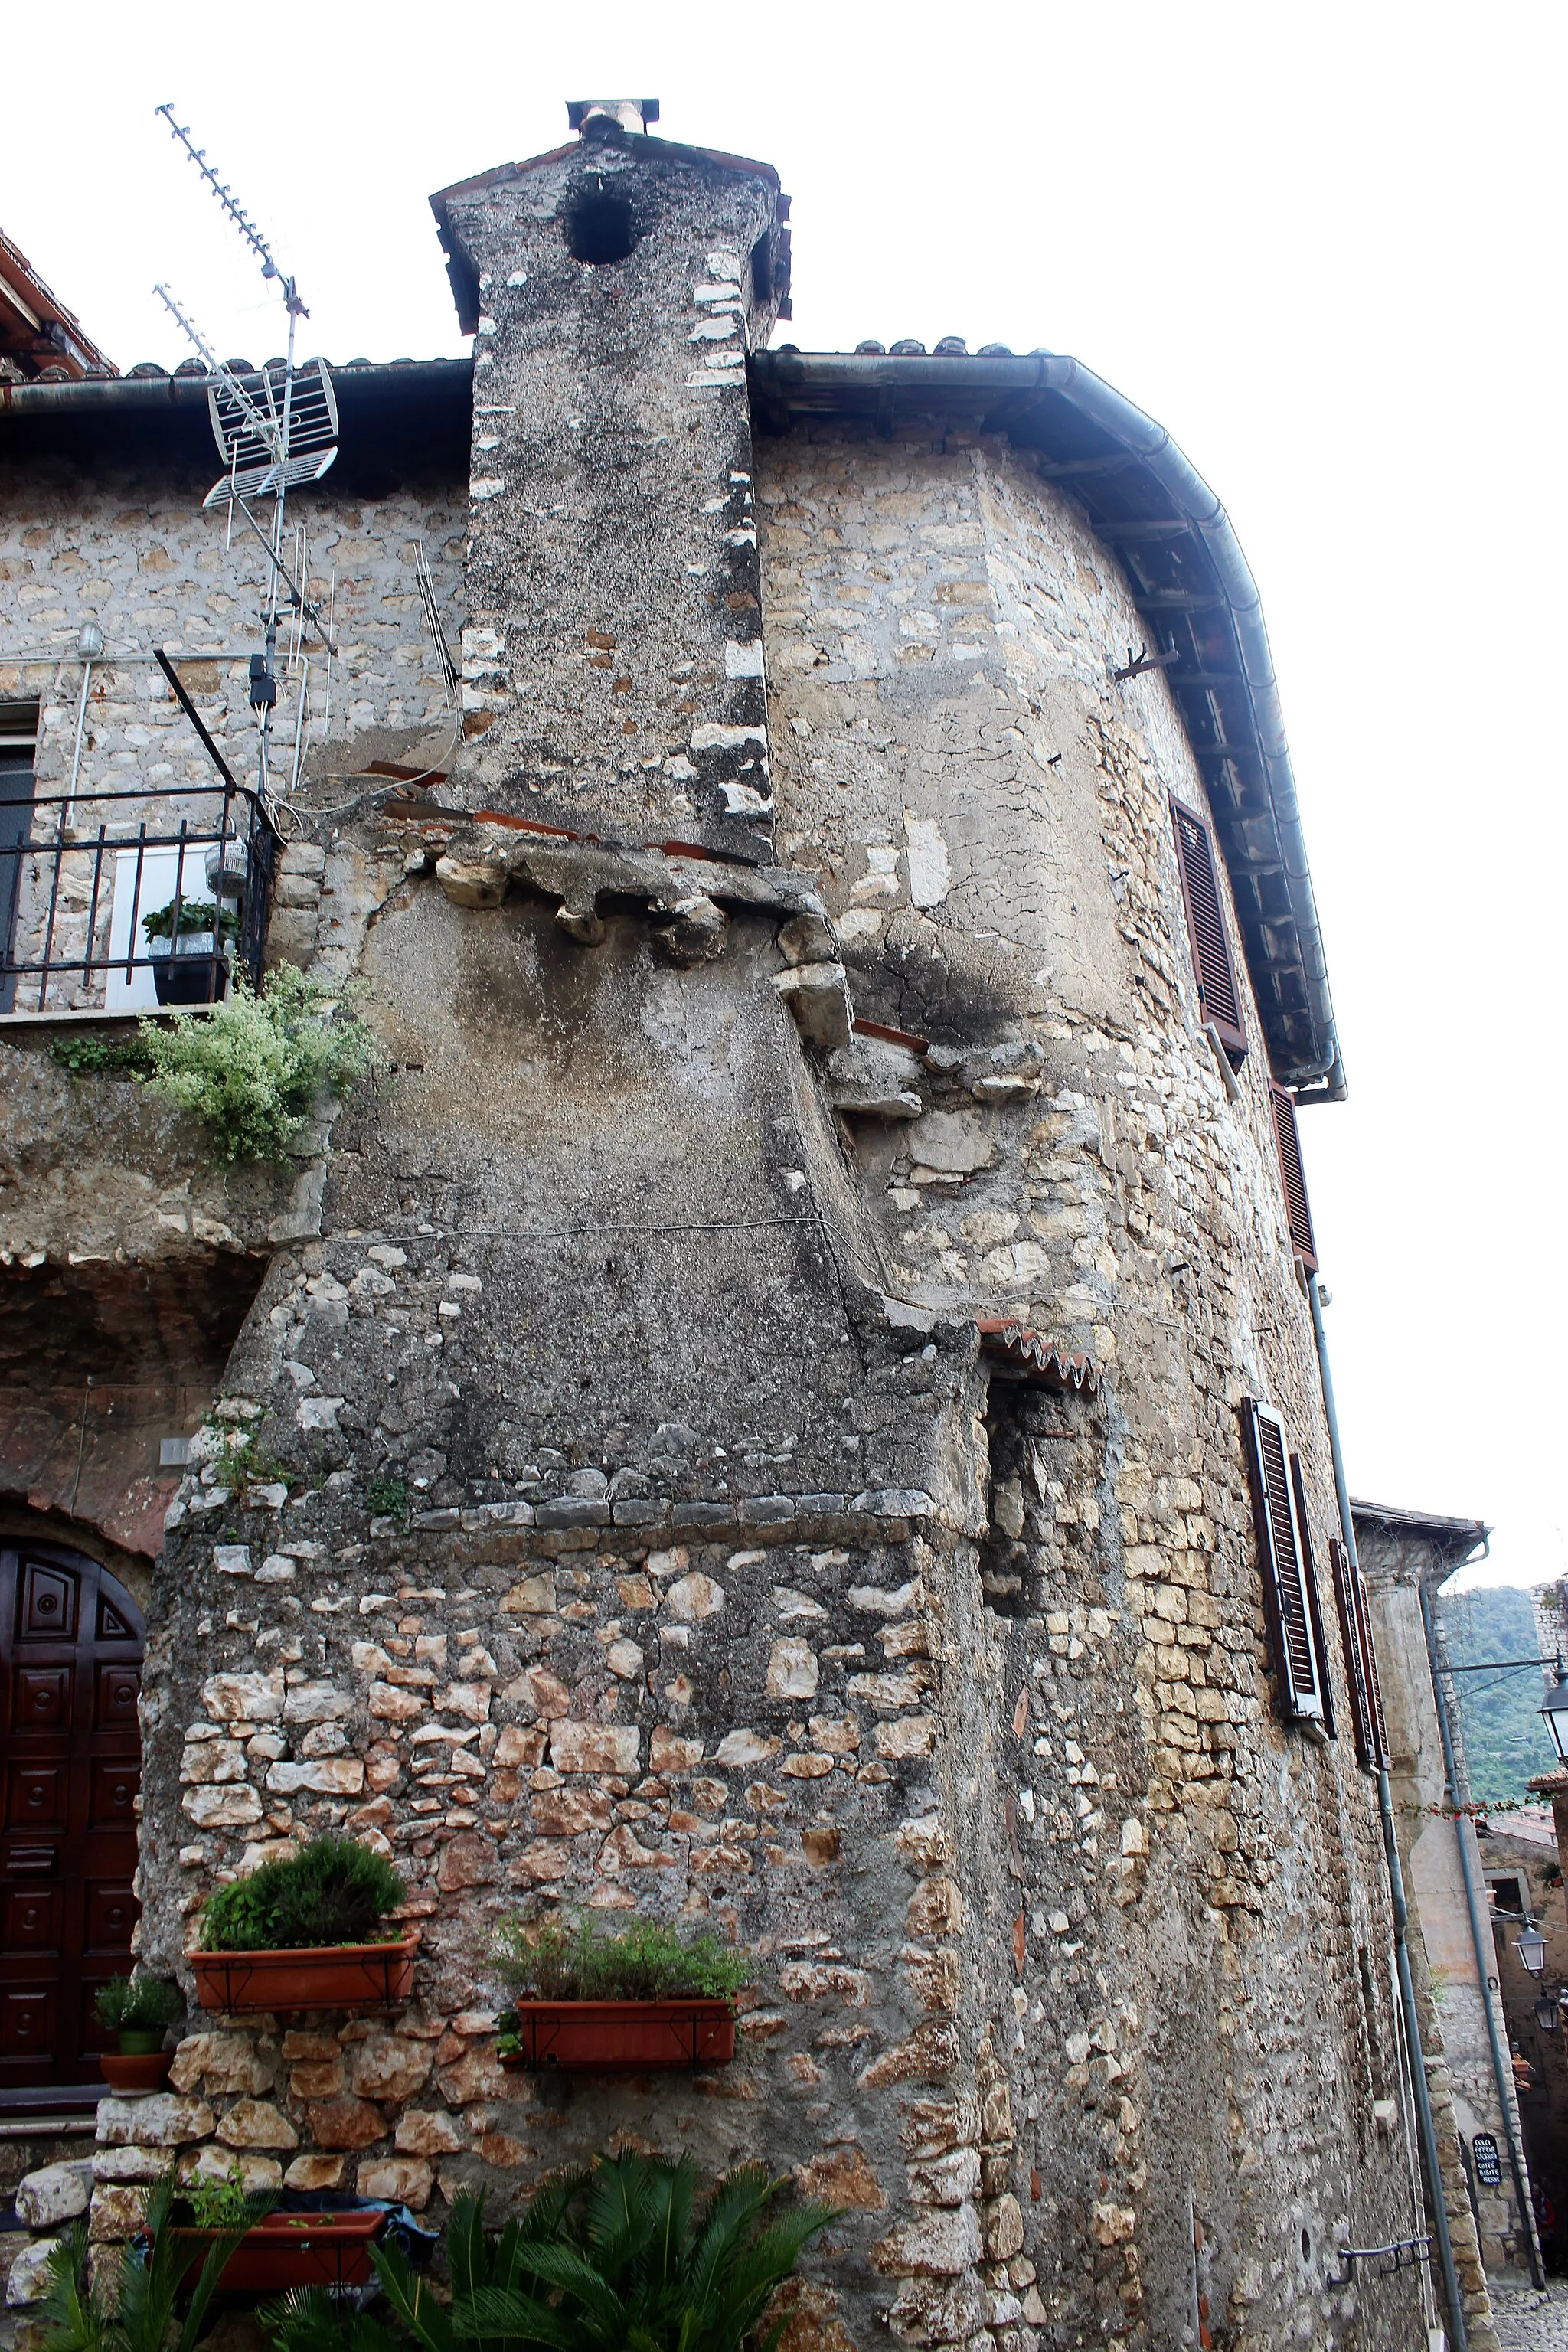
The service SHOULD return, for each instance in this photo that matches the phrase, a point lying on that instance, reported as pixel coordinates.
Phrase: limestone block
(334, 1776)
(143, 2164)
(346, 2123)
(316, 1703)
(533, 1596)
(568, 1812)
(320, 2078)
(115, 2213)
(478, 2074)
(929, 2055)
(594, 1747)
(244, 1698)
(407, 2179)
(792, 1670)
(315, 2172)
(818, 996)
(545, 1693)
(386, 2066)
(745, 1746)
(519, 1746)
(466, 1859)
(951, 1143)
(388, 1705)
(915, 1735)
(693, 1598)
(222, 2062)
(222, 1806)
(815, 1979)
(946, 2179)
(842, 2177)
(429, 2132)
(668, 1752)
(29, 2280)
(1003, 2229)
(256, 2123)
(473, 881)
(945, 2240)
(164, 2120)
(55, 2193)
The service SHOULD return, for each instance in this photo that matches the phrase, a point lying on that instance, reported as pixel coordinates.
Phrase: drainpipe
(1486, 1954)
(1426, 2129)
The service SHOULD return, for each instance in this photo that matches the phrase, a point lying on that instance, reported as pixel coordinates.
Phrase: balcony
(80, 876)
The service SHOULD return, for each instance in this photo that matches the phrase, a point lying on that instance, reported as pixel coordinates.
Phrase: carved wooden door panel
(70, 1665)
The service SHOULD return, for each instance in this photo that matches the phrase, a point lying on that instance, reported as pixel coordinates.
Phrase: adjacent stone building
(792, 1404)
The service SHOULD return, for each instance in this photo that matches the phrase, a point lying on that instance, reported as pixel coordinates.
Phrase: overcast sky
(1322, 244)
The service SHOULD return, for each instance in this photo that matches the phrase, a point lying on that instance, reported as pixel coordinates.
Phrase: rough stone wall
(133, 549)
(613, 660)
(1192, 1890)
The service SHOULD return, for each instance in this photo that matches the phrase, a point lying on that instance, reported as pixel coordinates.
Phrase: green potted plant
(307, 1932)
(589, 2002)
(205, 931)
(623, 2255)
(137, 2011)
(284, 2240)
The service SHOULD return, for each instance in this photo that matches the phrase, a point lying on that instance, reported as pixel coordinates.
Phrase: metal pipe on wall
(1425, 2126)
(1485, 1950)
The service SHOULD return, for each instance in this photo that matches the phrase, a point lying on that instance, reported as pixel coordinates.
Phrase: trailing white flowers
(251, 1069)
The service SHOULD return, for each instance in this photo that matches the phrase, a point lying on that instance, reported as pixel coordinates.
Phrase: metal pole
(1485, 1953)
(1425, 2127)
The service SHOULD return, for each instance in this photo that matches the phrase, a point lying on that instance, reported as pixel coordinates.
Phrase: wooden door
(70, 1666)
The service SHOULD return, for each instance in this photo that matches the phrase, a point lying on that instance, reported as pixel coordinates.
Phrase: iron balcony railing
(73, 907)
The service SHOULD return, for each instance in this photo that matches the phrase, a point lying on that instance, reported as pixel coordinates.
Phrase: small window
(1219, 998)
(599, 227)
(1298, 1207)
(1361, 1660)
(1508, 1895)
(1290, 1603)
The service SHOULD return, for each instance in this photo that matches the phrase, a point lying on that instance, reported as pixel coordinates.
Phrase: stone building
(794, 1404)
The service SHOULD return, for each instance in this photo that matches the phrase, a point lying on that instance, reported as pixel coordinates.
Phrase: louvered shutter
(1219, 994)
(1286, 1603)
(1361, 1660)
(1292, 1173)
(1314, 1600)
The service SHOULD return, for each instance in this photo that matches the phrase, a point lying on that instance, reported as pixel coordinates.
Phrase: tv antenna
(274, 434)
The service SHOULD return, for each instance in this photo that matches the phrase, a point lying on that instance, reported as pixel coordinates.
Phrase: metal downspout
(1425, 2127)
(1486, 1954)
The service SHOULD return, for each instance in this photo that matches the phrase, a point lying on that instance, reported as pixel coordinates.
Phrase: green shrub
(252, 1067)
(87, 1055)
(647, 1962)
(138, 2005)
(618, 2259)
(333, 1891)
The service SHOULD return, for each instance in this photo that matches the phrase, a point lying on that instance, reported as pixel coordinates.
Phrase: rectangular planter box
(337, 1976)
(622, 2037)
(291, 2250)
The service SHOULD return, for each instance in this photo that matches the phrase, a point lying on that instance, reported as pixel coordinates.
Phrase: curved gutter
(1148, 445)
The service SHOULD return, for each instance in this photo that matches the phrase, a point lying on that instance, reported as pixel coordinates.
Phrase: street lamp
(1554, 1711)
(1532, 1949)
(1548, 2016)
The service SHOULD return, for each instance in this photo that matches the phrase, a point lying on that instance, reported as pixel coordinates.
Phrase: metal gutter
(1039, 400)
(133, 396)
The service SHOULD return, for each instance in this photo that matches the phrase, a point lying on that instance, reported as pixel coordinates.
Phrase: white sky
(1321, 244)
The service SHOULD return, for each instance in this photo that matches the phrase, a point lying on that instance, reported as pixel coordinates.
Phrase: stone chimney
(613, 656)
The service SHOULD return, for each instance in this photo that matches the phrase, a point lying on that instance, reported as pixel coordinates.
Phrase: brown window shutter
(1219, 994)
(1314, 1602)
(1285, 1603)
(1302, 1239)
(1361, 1661)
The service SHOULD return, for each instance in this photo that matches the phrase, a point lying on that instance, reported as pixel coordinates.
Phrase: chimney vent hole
(599, 228)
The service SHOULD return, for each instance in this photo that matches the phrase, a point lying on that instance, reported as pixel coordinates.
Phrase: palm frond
(505, 2314)
(72, 2315)
(219, 2255)
(421, 2312)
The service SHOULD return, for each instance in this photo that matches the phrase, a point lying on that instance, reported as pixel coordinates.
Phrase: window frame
(1285, 1563)
(1228, 1019)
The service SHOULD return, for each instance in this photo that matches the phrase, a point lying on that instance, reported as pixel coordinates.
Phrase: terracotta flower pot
(128, 2071)
(334, 1976)
(622, 2037)
(291, 2250)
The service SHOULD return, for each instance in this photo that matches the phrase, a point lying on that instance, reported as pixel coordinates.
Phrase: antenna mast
(279, 447)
